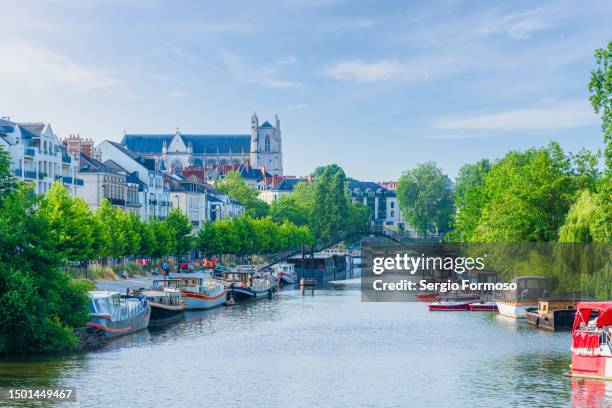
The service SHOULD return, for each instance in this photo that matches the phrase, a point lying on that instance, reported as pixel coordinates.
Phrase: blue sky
(374, 86)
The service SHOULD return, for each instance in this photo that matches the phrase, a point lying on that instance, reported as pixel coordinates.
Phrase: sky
(374, 86)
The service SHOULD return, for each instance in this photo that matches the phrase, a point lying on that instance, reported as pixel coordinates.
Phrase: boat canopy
(584, 309)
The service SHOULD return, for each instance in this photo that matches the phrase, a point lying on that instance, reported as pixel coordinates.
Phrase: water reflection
(344, 352)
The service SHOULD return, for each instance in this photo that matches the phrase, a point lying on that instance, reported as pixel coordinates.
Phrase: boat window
(91, 308)
(101, 305)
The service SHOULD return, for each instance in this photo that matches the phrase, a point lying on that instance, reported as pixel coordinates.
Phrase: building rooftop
(201, 143)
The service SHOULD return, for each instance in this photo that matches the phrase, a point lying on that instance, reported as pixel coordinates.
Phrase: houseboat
(167, 304)
(553, 315)
(198, 293)
(592, 340)
(245, 283)
(286, 273)
(115, 315)
(529, 290)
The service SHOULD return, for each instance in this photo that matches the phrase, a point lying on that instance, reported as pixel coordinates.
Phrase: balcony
(29, 174)
(29, 151)
(18, 172)
(78, 182)
(116, 201)
(66, 159)
(42, 175)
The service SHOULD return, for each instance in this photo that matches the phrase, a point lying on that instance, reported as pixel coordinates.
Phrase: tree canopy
(426, 198)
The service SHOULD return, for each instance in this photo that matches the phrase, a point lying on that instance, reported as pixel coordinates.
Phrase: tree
(288, 208)
(331, 203)
(587, 220)
(163, 239)
(528, 196)
(112, 224)
(6, 180)
(426, 198)
(233, 185)
(470, 199)
(600, 87)
(207, 240)
(181, 228)
(40, 308)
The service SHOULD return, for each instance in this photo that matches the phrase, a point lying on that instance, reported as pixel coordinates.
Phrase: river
(324, 350)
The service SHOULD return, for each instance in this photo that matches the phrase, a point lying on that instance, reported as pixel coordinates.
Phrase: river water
(324, 350)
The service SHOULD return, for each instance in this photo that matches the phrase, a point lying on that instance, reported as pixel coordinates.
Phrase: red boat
(483, 307)
(592, 340)
(427, 297)
(450, 306)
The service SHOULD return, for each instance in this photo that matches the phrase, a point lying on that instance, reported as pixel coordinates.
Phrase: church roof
(266, 125)
(152, 144)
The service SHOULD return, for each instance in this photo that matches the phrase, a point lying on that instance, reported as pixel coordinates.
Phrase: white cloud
(360, 71)
(28, 63)
(519, 26)
(564, 115)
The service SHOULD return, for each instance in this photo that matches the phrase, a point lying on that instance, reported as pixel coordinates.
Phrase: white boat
(199, 293)
(113, 314)
(286, 273)
(529, 291)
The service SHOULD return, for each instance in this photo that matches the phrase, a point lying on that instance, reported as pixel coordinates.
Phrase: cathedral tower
(266, 146)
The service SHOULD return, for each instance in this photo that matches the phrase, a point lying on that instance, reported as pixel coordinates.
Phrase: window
(267, 144)
(392, 204)
(392, 214)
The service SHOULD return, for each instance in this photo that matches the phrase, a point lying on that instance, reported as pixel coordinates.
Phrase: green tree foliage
(246, 236)
(181, 229)
(470, 198)
(601, 96)
(112, 222)
(233, 185)
(70, 222)
(39, 306)
(588, 220)
(528, 196)
(6, 181)
(290, 208)
(164, 241)
(331, 203)
(426, 198)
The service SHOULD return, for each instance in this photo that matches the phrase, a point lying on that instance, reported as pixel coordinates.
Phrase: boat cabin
(103, 303)
(529, 288)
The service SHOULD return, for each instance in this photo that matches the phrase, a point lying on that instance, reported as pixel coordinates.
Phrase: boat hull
(200, 301)
(449, 307)
(514, 310)
(483, 307)
(241, 294)
(287, 279)
(107, 328)
(591, 366)
(555, 320)
(161, 314)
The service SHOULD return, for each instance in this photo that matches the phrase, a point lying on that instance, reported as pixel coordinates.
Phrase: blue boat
(113, 314)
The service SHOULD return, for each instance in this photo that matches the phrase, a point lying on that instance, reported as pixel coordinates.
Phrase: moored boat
(450, 306)
(529, 290)
(113, 314)
(244, 283)
(198, 293)
(167, 304)
(553, 315)
(592, 340)
(483, 307)
(286, 273)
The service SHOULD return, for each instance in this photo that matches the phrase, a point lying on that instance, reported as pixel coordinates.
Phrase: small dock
(306, 284)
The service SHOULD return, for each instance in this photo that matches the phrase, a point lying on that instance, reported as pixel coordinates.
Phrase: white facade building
(38, 157)
(155, 196)
(190, 198)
